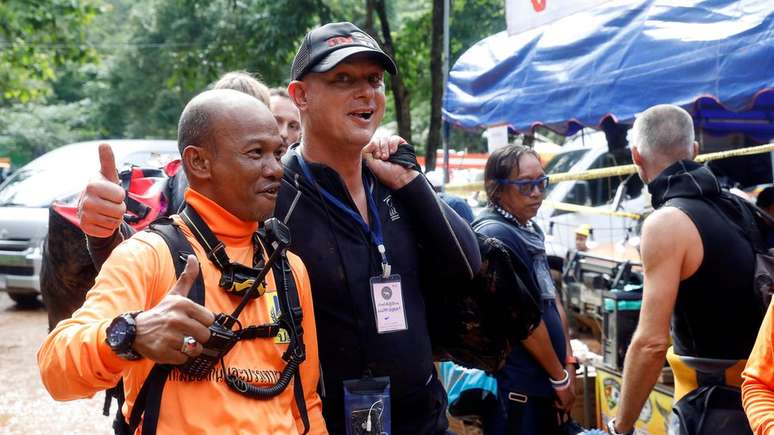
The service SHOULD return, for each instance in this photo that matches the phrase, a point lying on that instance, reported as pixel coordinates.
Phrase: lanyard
(375, 232)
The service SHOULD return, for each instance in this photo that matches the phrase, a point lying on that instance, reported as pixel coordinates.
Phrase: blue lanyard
(376, 233)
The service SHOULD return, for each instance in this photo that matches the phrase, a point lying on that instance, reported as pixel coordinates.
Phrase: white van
(587, 151)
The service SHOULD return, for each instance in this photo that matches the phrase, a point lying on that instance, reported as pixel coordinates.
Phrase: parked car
(583, 152)
(59, 175)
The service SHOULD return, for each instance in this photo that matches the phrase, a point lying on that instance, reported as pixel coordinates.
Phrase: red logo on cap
(539, 5)
(338, 40)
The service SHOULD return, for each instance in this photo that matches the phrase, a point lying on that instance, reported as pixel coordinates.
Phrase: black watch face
(118, 332)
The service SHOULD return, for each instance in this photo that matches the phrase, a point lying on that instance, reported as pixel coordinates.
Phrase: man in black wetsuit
(698, 273)
(355, 220)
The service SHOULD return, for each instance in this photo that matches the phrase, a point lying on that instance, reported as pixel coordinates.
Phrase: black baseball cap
(324, 47)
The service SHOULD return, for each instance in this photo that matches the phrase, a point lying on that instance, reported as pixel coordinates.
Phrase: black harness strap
(148, 402)
(216, 250)
(147, 405)
(284, 280)
(180, 249)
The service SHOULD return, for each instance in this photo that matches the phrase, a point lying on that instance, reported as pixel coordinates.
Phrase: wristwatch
(120, 336)
(611, 428)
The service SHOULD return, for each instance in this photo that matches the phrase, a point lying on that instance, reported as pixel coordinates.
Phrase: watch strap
(125, 351)
(611, 428)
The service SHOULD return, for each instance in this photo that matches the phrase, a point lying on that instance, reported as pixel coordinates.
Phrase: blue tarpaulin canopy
(713, 57)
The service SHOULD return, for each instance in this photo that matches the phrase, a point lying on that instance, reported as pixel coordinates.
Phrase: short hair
(664, 132)
(279, 92)
(197, 122)
(194, 128)
(500, 165)
(244, 82)
(765, 198)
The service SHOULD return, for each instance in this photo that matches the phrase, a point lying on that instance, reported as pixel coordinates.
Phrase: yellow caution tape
(615, 171)
(591, 210)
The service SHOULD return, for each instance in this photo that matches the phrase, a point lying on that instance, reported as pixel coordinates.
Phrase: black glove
(406, 157)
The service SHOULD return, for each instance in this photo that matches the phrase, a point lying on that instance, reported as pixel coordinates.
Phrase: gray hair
(279, 92)
(664, 132)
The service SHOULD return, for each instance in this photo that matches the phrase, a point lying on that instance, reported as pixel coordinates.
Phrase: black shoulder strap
(289, 300)
(180, 249)
(216, 250)
(148, 401)
(746, 226)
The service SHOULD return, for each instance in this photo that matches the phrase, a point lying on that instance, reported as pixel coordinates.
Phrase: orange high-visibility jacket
(75, 362)
(758, 384)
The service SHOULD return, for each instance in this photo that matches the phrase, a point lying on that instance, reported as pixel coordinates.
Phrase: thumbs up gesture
(101, 206)
(166, 332)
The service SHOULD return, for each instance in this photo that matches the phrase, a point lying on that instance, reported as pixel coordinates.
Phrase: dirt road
(25, 406)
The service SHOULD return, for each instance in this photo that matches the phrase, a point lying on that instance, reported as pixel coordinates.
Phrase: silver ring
(189, 345)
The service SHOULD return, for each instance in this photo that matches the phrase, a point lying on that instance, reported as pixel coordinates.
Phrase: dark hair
(244, 82)
(500, 165)
(766, 197)
(194, 128)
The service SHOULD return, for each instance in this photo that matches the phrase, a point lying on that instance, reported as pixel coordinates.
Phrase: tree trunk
(369, 18)
(436, 95)
(400, 94)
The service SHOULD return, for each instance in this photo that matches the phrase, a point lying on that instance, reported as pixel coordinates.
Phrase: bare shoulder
(670, 235)
(667, 220)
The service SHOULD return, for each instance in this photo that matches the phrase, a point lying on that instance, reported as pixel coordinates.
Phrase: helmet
(583, 230)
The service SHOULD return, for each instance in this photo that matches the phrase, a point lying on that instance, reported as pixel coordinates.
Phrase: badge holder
(367, 406)
(387, 297)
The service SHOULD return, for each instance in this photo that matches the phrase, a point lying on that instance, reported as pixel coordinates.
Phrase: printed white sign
(496, 137)
(522, 15)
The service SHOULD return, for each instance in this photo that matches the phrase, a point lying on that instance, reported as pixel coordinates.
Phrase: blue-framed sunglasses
(525, 187)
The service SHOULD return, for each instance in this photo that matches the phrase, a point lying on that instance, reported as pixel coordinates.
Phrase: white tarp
(523, 15)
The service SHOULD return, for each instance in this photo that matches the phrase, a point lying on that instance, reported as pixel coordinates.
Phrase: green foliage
(36, 38)
(472, 21)
(29, 130)
(469, 22)
(86, 69)
(178, 47)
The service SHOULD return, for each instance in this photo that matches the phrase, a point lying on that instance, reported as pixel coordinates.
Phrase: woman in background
(536, 385)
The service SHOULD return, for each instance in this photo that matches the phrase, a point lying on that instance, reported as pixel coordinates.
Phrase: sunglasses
(525, 187)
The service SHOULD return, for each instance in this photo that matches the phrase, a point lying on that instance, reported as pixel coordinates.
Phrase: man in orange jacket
(138, 314)
(758, 384)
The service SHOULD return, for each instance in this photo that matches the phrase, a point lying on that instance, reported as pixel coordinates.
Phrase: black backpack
(755, 226)
(711, 410)
(474, 323)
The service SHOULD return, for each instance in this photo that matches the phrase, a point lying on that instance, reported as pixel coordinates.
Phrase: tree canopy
(85, 69)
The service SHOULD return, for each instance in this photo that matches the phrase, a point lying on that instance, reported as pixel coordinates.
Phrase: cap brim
(333, 59)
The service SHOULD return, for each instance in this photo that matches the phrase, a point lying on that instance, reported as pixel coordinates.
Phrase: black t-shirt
(420, 234)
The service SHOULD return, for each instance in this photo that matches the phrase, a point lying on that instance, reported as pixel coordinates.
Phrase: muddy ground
(25, 406)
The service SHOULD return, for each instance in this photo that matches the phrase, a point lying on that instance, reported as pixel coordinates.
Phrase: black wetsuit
(421, 234)
(717, 314)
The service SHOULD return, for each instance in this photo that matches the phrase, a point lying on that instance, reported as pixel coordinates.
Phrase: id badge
(387, 296)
